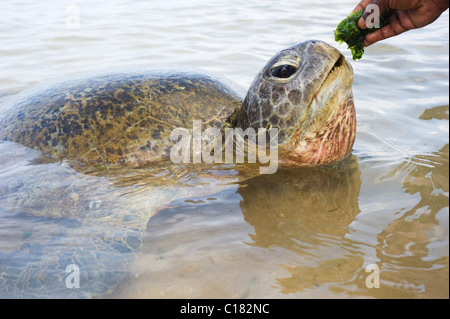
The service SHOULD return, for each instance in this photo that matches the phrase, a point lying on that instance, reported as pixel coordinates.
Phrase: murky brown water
(224, 231)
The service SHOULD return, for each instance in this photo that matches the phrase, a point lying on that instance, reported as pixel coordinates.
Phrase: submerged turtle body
(118, 118)
(54, 218)
(123, 120)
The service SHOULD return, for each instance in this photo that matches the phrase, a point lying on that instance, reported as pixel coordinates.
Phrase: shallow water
(222, 232)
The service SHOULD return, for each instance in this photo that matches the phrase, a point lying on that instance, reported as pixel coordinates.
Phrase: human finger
(362, 5)
(383, 5)
(398, 23)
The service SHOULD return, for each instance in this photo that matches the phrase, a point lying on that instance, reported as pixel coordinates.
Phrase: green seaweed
(348, 31)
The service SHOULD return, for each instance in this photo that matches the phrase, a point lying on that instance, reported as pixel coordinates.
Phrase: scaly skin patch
(328, 145)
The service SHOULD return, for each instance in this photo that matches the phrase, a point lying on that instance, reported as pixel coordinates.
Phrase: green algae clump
(348, 31)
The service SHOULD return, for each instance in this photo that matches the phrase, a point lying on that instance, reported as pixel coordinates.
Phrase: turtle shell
(117, 118)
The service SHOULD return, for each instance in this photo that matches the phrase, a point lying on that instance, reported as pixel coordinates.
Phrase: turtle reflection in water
(75, 212)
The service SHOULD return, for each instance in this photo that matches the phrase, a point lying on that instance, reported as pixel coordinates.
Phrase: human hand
(405, 15)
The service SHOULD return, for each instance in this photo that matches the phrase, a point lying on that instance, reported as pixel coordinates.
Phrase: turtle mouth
(334, 72)
(336, 78)
(339, 62)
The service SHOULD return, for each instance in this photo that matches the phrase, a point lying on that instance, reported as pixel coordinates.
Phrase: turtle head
(305, 92)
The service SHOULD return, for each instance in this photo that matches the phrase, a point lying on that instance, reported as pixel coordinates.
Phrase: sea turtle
(121, 123)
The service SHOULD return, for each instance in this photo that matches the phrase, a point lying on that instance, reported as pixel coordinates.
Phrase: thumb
(381, 6)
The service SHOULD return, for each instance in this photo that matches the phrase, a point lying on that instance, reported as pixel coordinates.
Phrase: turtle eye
(283, 71)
